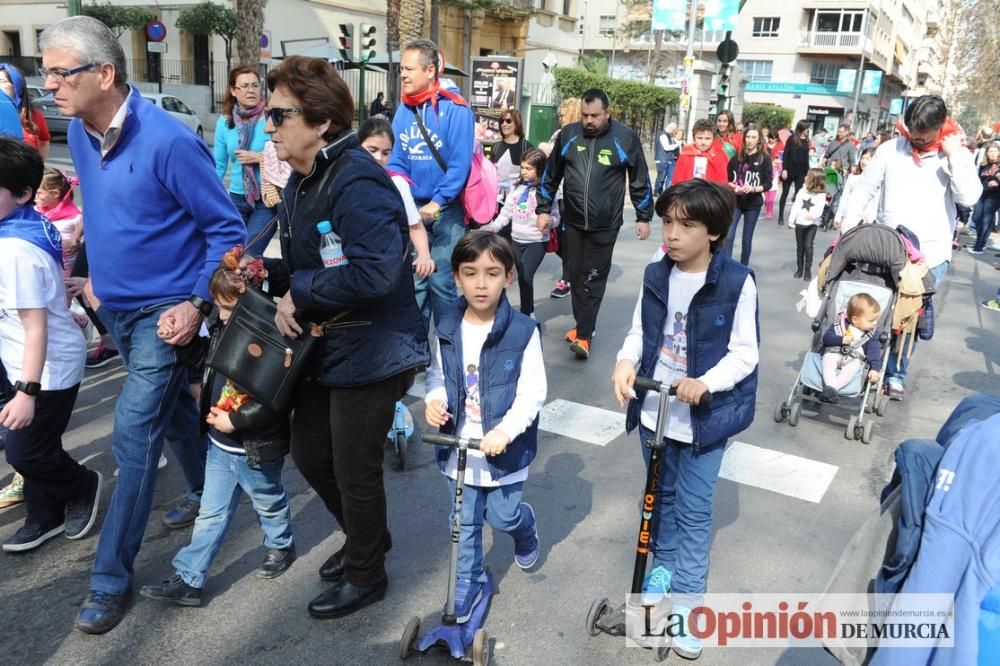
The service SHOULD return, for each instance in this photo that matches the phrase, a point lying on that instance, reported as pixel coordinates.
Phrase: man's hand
(642, 230)
(622, 379)
(284, 318)
(874, 376)
(436, 414)
(220, 420)
(423, 266)
(494, 442)
(19, 412)
(690, 390)
(429, 211)
(951, 145)
(75, 286)
(178, 325)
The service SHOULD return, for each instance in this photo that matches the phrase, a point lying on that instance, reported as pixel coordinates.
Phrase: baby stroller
(834, 188)
(868, 259)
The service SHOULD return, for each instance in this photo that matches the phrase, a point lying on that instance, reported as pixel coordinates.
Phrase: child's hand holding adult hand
(19, 412)
(220, 420)
(621, 380)
(494, 442)
(690, 390)
(423, 266)
(436, 413)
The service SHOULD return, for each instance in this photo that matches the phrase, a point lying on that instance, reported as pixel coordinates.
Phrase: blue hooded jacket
(450, 127)
(10, 117)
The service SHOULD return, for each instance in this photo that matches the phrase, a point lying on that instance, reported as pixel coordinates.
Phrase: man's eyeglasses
(276, 114)
(246, 87)
(61, 75)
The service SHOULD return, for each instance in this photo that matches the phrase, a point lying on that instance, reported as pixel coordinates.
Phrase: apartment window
(606, 26)
(756, 70)
(825, 73)
(567, 7)
(579, 26)
(766, 26)
(839, 21)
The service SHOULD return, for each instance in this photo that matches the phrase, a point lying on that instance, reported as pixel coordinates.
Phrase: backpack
(483, 186)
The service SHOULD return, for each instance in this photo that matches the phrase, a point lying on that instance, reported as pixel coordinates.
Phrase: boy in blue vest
(716, 350)
(488, 370)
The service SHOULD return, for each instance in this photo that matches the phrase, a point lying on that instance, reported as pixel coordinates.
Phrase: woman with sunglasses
(507, 152)
(239, 140)
(370, 353)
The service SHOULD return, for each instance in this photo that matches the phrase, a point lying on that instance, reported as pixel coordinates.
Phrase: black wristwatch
(28, 388)
(203, 306)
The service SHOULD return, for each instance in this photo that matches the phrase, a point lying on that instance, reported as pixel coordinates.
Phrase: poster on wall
(496, 86)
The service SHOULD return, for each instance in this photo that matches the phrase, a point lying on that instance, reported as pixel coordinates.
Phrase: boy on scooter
(695, 328)
(487, 381)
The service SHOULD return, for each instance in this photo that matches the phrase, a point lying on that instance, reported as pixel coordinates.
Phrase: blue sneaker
(526, 552)
(656, 585)
(101, 612)
(685, 644)
(467, 595)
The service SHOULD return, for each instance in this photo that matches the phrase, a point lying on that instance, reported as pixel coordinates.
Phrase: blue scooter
(467, 641)
(400, 433)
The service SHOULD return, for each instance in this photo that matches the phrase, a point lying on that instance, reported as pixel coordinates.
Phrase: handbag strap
(430, 144)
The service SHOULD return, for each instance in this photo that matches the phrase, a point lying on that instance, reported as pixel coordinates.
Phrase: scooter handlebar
(653, 385)
(440, 439)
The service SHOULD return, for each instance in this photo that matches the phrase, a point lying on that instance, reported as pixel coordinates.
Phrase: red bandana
(950, 127)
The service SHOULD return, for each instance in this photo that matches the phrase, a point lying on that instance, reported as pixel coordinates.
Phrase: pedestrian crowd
(381, 275)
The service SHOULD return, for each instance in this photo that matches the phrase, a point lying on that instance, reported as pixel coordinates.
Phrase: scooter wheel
(481, 648)
(409, 639)
(661, 653)
(597, 610)
(400, 451)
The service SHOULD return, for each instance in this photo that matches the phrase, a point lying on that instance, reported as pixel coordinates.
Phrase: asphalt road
(585, 497)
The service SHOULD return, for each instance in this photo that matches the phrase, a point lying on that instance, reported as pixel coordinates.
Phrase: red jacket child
(711, 164)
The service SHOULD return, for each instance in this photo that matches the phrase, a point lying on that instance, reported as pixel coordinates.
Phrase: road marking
(778, 472)
(587, 424)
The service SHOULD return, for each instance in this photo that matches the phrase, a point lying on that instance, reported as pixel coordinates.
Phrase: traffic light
(346, 42)
(367, 42)
(723, 87)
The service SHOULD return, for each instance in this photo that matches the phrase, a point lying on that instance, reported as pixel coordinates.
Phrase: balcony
(834, 41)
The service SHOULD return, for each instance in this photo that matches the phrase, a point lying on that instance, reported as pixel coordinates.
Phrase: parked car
(59, 124)
(34, 92)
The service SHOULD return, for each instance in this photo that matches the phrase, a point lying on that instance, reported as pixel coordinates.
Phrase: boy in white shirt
(695, 328)
(487, 356)
(43, 353)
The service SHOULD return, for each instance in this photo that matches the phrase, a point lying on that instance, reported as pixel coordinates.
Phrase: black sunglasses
(276, 114)
(507, 121)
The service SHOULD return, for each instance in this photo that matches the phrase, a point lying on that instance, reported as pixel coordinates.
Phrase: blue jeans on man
(502, 508)
(256, 217)
(436, 293)
(749, 216)
(155, 403)
(682, 530)
(896, 369)
(227, 477)
(664, 176)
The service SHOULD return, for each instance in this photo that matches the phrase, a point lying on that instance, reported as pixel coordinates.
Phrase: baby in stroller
(850, 344)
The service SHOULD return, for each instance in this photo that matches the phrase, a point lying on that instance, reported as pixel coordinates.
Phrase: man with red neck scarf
(433, 149)
(921, 174)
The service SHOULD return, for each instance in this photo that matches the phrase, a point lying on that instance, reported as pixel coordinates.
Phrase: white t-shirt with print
(412, 214)
(31, 280)
(528, 401)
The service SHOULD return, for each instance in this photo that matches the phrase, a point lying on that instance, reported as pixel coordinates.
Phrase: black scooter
(603, 618)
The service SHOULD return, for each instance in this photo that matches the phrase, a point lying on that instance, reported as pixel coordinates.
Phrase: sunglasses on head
(276, 114)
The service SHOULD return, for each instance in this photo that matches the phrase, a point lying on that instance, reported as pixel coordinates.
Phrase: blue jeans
(227, 476)
(155, 403)
(985, 214)
(664, 176)
(256, 217)
(749, 216)
(682, 533)
(897, 369)
(437, 292)
(500, 506)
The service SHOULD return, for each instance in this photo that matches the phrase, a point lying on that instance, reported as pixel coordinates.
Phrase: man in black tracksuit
(592, 159)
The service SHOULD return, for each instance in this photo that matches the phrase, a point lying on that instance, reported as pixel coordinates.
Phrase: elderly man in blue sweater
(158, 222)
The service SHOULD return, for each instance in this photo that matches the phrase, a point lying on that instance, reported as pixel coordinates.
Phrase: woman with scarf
(33, 125)
(239, 140)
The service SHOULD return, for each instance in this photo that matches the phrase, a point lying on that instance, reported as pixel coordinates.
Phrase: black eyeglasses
(507, 121)
(61, 75)
(276, 114)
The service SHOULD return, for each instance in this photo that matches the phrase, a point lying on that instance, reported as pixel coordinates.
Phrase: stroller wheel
(849, 431)
(598, 610)
(866, 433)
(481, 648)
(780, 412)
(409, 638)
(881, 404)
(793, 414)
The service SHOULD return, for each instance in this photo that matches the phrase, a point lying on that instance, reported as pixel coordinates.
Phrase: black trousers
(805, 237)
(338, 439)
(51, 476)
(528, 257)
(786, 187)
(81, 268)
(561, 238)
(589, 256)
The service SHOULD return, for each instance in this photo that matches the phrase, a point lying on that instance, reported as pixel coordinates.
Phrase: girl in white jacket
(529, 238)
(805, 217)
(850, 189)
